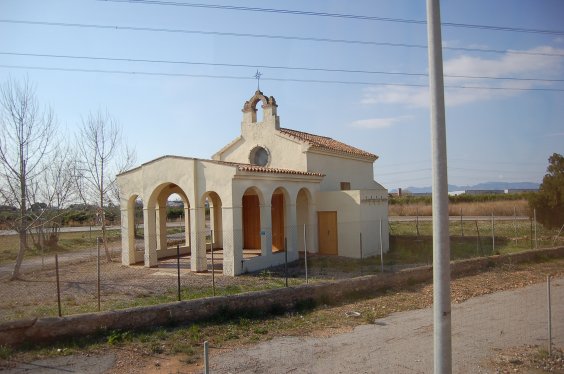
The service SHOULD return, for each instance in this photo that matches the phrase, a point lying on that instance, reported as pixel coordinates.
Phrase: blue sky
(492, 135)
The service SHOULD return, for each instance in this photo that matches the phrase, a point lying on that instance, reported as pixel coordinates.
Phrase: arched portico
(155, 224)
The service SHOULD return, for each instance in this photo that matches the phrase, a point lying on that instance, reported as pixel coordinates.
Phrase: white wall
(339, 169)
(358, 212)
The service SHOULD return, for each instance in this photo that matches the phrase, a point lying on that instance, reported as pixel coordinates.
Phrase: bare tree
(102, 156)
(54, 189)
(25, 139)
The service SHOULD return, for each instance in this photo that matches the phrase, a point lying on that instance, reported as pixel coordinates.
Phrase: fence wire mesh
(34, 294)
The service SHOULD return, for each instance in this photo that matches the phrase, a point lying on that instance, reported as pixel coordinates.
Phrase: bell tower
(268, 105)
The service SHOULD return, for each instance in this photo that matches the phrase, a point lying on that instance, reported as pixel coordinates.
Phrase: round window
(259, 156)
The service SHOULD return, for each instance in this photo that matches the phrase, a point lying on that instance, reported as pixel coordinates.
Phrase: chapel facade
(271, 193)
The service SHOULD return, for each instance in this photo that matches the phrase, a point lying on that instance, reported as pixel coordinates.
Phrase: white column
(187, 228)
(312, 245)
(266, 230)
(149, 229)
(127, 236)
(290, 227)
(232, 240)
(161, 226)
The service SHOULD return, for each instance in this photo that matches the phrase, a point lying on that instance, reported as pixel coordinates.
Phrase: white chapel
(271, 190)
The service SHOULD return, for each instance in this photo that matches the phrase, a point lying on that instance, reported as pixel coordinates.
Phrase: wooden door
(251, 222)
(277, 222)
(327, 233)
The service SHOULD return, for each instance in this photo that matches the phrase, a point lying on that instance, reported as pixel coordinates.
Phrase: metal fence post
(361, 254)
(535, 219)
(417, 221)
(98, 272)
(478, 240)
(178, 271)
(549, 316)
(381, 249)
(58, 285)
(305, 254)
(286, 260)
(206, 358)
(531, 232)
(213, 263)
(461, 224)
(493, 234)
(515, 221)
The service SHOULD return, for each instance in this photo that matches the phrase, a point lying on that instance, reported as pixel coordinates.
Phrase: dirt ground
(34, 294)
(325, 321)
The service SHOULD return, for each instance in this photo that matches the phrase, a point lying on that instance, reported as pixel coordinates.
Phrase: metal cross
(257, 76)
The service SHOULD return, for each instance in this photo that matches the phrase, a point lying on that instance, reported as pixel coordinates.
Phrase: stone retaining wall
(43, 330)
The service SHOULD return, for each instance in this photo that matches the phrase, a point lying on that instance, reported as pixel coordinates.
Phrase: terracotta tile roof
(262, 169)
(326, 143)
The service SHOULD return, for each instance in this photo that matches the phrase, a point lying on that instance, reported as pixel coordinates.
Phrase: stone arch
(250, 106)
(155, 224)
(279, 210)
(211, 201)
(252, 201)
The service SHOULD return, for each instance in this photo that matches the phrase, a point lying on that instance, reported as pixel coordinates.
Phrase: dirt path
(403, 342)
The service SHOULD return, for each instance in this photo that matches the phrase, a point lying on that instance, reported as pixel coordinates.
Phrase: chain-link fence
(87, 282)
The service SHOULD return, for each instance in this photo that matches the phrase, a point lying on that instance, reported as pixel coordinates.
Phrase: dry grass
(498, 208)
(176, 347)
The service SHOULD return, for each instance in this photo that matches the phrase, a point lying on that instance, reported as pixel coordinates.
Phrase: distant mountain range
(479, 186)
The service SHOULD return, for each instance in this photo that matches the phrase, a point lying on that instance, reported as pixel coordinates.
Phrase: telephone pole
(441, 246)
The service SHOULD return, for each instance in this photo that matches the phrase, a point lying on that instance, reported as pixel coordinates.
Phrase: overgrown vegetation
(549, 202)
(462, 198)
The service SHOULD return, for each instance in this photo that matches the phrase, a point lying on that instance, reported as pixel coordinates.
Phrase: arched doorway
(278, 214)
(251, 219)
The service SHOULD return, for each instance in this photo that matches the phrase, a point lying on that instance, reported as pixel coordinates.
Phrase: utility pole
(441, 246)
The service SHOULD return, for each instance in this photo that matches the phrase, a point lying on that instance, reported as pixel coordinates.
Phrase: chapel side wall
(373, 210)
(347, 206)
(339, 169)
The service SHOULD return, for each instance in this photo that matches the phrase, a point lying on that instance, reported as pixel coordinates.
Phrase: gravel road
(403, 342)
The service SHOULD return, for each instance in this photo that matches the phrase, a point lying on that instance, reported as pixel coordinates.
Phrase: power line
(339, 15)
(126, 72)
(271, 36)
(276, 67)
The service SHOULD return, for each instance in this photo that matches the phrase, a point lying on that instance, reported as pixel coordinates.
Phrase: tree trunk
(19, 258)
(22, 229)
(104, 234)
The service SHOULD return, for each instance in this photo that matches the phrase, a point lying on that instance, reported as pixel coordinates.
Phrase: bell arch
(250, 107)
